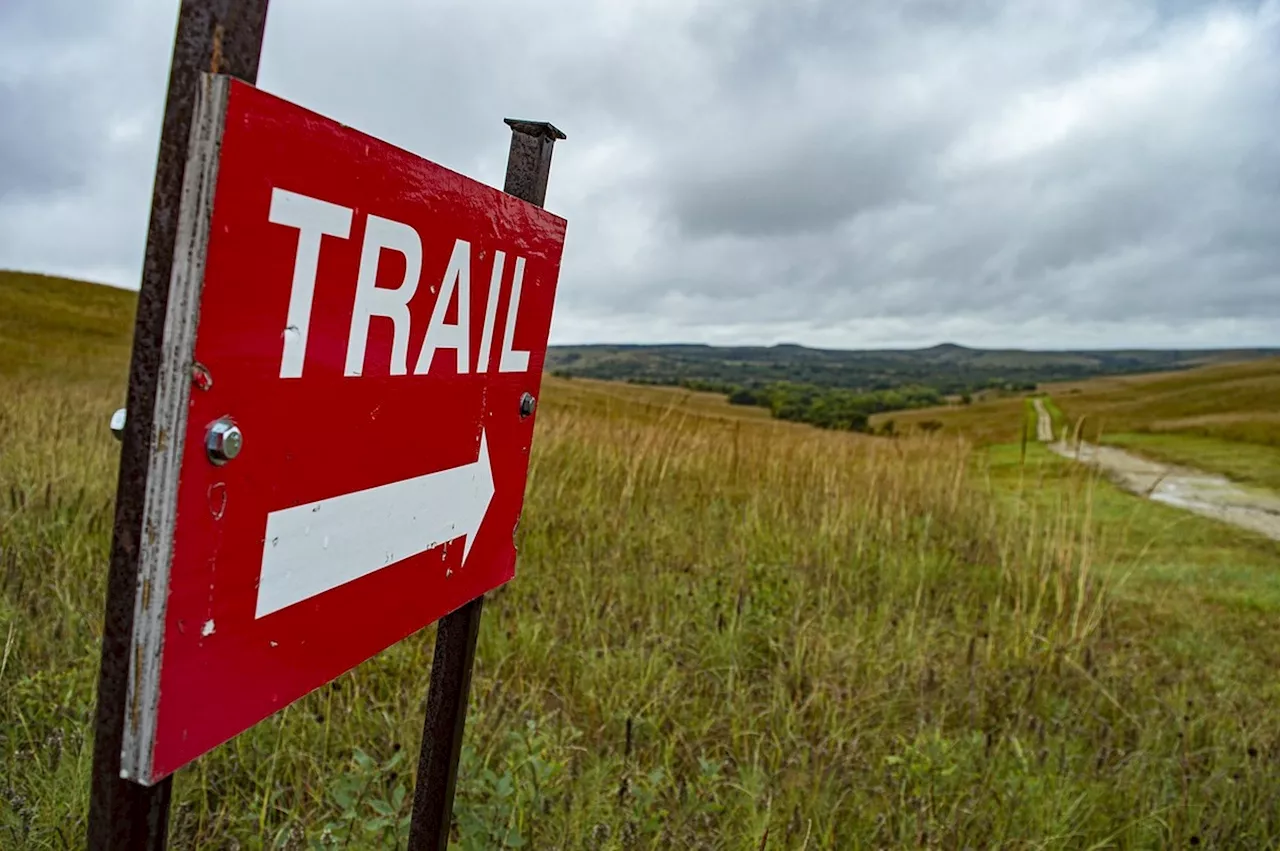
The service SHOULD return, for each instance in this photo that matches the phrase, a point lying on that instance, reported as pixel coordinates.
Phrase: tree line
(833, 408)
(828, 407)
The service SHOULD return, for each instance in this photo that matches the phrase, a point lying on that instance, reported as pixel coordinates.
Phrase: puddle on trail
(1207, 494)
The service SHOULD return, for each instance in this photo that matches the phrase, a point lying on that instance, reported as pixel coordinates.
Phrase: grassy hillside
(78, 331)
(949, 368)
(1224, 419)
(987, 421)
(1238, 402)
(725, 632)
(845, 389)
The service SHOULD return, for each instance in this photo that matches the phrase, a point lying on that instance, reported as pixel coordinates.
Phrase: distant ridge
(32, 305)
(949, 367)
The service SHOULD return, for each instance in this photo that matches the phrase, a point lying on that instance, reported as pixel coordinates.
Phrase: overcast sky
(847, 174)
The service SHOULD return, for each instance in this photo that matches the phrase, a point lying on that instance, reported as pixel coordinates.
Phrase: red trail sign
(343, 418)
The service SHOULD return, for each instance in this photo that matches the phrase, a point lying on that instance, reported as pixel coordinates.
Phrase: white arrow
(320, 545)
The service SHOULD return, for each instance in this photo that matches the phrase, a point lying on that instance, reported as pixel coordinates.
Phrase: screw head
(223, 441)
(117, 423)
(528, 405)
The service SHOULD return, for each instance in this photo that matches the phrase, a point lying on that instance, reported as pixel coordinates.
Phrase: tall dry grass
(722, 634)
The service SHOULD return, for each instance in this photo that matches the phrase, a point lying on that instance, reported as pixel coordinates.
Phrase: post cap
(543, 129)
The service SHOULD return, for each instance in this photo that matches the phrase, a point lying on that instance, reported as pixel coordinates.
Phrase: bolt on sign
(352, 354)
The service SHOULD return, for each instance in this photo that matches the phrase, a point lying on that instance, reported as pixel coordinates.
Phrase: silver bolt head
(528, 404)
(223, 441)
(117, 423)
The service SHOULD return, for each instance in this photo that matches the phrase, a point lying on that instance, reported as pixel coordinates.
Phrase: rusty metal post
(221, 36)
(528, 169)
(529, 161)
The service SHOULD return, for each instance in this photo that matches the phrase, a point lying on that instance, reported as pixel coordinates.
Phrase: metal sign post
(528, 169)
(241, 538)
(222, 36)
(273, 563)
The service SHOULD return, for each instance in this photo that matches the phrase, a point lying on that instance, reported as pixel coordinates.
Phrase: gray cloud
(37, 157)
(1047, 172)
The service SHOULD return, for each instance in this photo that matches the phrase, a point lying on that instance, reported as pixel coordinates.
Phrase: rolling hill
(1237, 402)
(1223, 418)
(948, 368)
(724, 632)
(71, 328)
(97, 320)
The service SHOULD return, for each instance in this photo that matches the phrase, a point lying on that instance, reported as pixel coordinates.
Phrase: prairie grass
(996, 420)
(1250, 463)
(1222, 419)
(1234, 402)
(723, 634)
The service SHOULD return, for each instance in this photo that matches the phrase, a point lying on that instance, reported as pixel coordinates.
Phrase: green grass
(724, 633)
(1248, 463)
(1055, 414)
(1223, 419)
(1206, 594)
(1237, 402)
(70, 330)
(1031, 417)
(1147, 542)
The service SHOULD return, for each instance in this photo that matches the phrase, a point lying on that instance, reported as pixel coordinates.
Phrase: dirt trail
(1207, 494)
(1044, 422)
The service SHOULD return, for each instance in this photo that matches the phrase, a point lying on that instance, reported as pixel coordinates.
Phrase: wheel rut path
(1206, 494)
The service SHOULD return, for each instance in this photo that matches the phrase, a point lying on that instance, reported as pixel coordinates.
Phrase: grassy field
(724, 633)
(1236, 402)
(68, 332)
(991, 421)
(1243, 462)
(1222, 418)
(613, 398)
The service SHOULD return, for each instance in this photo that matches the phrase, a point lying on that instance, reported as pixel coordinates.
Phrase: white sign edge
(169, 426)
